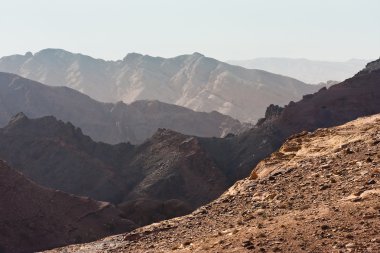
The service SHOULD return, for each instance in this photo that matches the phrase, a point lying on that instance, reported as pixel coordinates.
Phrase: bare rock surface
(318, 193)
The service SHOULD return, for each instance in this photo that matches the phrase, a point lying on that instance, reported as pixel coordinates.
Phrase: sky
(223, 29)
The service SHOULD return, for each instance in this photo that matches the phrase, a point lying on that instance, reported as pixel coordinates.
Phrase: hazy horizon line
(199, 52)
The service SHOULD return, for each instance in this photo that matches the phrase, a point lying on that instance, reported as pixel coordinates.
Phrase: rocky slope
(193, 81)
(35, 218)
(110, 123)
(166, 176)
(308, 71)
(319, 193)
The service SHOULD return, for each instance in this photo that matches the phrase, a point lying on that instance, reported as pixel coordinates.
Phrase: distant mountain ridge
(308, 71)
(111, 123)
(193, 81)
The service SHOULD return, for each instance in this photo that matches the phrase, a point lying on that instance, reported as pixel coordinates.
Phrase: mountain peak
(371, 66)
(28, 54)
(374, 65)
(164, 133)
(53, 52)
(19, 117)
(44, 126)
(132, 56)
(198, 55)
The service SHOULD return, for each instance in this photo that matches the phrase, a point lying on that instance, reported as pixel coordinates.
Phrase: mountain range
(168, 175)
(107, 122)
(193, 81)
(171, 174)
(318, 193)
(308, 71)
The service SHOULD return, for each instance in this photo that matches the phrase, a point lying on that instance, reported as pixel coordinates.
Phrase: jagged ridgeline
(194, 81)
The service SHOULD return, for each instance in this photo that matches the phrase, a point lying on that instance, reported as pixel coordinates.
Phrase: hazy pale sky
(223, 29)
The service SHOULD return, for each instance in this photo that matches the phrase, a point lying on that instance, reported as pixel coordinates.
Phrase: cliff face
(35, 218)
(318, 193)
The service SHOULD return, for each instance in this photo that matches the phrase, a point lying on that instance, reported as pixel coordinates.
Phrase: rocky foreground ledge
(319, 193)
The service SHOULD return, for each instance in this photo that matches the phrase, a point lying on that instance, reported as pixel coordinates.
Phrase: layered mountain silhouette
(166, 176)
(193, 81)
(172, 171)
(110, 123)
(34, 218)
(319, 193)
(308, 71)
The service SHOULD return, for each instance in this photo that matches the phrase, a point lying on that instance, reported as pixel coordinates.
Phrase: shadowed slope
(36, 218)
(168, 170)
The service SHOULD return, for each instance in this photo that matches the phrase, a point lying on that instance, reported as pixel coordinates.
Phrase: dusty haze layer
(308, 71)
